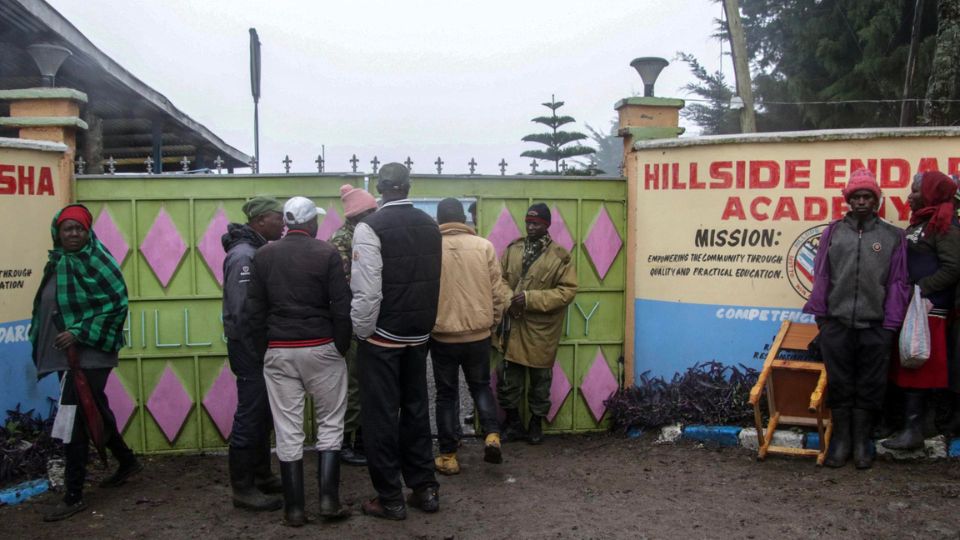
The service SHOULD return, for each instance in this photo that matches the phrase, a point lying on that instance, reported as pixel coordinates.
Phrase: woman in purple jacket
(860, 296)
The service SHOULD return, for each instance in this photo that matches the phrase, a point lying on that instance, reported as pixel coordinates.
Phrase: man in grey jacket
(249, 454)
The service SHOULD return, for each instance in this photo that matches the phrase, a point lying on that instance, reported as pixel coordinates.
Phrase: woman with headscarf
(933, 262)
(81, 304)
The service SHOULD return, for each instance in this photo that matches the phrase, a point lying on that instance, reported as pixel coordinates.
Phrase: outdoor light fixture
(649, 68)
(49, 58)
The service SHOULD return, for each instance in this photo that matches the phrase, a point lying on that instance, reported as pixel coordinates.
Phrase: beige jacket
(473, 296)
(549, 286)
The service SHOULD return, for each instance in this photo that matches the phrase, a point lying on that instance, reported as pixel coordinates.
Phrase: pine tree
(715, 117)
(557, 142)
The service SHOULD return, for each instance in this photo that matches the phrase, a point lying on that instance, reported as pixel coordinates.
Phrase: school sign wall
(726, 229)
(31, 191)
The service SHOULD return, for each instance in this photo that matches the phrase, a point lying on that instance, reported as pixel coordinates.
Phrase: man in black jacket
(249, 457)
(396, 285)
(299, 311)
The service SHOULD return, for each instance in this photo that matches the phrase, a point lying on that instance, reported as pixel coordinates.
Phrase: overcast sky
(392, 79)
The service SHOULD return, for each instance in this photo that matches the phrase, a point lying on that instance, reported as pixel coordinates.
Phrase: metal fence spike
(80, 165)
(439, 164)
(473, 165)
(286, 163)
(376, 164)
(503, 166)
(319, 161)
(353, 162)
(111, 165)
(185, 164)
(219, 163)
(409, 164)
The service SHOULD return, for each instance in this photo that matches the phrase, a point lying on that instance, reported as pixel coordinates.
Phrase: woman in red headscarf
(933, 262)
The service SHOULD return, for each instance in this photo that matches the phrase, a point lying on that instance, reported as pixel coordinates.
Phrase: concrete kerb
(23, 491)
(733, 436)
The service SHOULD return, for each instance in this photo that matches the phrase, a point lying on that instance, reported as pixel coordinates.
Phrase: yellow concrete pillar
(641, 118)
(48, 114)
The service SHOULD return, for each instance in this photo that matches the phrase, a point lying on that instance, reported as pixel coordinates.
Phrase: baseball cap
(299, 210)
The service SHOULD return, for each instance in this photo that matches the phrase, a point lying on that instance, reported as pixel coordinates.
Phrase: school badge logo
(800, 259)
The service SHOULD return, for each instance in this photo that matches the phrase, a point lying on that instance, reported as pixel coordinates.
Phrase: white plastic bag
(915, 334)
(63, 421)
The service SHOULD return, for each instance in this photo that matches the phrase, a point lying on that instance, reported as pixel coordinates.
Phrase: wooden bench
(795, 389)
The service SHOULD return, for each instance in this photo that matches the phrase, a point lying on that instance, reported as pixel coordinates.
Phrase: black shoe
(512, 429)
(328, 482)
(862, 426)
(291, 472)
(426, 499)
(245, 493)
(63, 510)
(375, 508)
(840, 439)
(126, 469)
(911, 436)
(952, 428)
(351, 452)
(535, 430)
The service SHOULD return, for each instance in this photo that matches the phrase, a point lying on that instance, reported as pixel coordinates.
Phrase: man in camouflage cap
(252, 481)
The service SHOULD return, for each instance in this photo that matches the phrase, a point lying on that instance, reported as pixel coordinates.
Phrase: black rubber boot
(245, 493)
(351, 451)
(512, 427)
(535, 430)
(263, 476)
(911, 436)
(291, 472)
(862, 427)
(840, 439)
(328, 481)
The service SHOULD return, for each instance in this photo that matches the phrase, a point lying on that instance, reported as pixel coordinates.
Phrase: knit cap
(538, 213)
(356, 200)
(861, 179)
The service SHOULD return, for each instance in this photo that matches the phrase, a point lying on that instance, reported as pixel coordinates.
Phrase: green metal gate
(173, 391)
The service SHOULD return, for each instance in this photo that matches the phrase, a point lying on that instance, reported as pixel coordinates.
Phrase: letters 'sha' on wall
(727, 228)
(31, 191)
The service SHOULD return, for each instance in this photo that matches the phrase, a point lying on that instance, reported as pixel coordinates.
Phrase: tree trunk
(945, 72)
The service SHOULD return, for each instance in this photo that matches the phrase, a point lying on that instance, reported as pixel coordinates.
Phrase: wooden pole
(741, 65)
(906, 108)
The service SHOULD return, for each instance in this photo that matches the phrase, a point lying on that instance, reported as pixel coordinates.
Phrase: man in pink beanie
(860, 293)
(357, 204)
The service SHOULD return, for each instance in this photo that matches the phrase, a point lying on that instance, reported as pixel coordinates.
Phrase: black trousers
(395, 418)
(474, 359)
(77, 451)
(857, 361)
(252, 422)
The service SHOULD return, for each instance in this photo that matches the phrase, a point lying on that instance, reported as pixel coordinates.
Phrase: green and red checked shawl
(91, 294)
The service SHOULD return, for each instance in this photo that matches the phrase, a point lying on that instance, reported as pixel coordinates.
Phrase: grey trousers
(290, 375)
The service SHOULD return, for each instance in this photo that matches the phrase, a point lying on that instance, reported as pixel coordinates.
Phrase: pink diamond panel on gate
(330, 224)
(221, 401)
(211, 247)
(170, 404)
(163, 247)
(558, 230)
(603, 242)
(119, 399)
(559, 389)
(110, 236)
(503, 232)
(598, 385)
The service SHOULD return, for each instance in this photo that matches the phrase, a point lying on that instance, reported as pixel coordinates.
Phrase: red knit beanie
(861, 179)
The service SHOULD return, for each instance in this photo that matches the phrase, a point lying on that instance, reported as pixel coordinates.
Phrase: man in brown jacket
(472, 300)
(544, 282)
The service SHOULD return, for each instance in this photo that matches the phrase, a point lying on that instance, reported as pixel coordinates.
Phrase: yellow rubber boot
(491, 449)
(447, 464)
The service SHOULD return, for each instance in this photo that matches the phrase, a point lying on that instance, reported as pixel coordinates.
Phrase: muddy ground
(596, 486)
